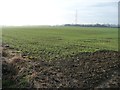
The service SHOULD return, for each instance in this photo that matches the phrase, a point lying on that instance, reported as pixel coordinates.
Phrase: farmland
(60, 57)
(48, 43)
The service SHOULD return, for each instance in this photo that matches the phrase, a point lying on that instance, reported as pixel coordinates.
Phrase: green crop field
(49, 43)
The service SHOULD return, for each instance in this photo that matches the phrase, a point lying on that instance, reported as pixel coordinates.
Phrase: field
(48, 43)
(60, 57)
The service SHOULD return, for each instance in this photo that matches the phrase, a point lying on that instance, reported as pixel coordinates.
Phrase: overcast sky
(53, 12)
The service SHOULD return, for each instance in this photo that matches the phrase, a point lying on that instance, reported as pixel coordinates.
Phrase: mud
(99, 69)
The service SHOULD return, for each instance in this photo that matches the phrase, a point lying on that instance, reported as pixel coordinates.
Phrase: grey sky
(52, 12)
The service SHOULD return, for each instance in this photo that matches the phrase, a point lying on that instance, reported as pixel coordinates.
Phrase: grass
(49, 43)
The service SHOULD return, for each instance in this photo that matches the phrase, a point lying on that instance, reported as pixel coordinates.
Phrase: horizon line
(61, 24)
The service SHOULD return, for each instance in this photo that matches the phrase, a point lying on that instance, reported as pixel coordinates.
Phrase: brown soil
(84, 70)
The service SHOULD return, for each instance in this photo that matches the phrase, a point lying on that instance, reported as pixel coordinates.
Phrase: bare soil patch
(84, 70)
